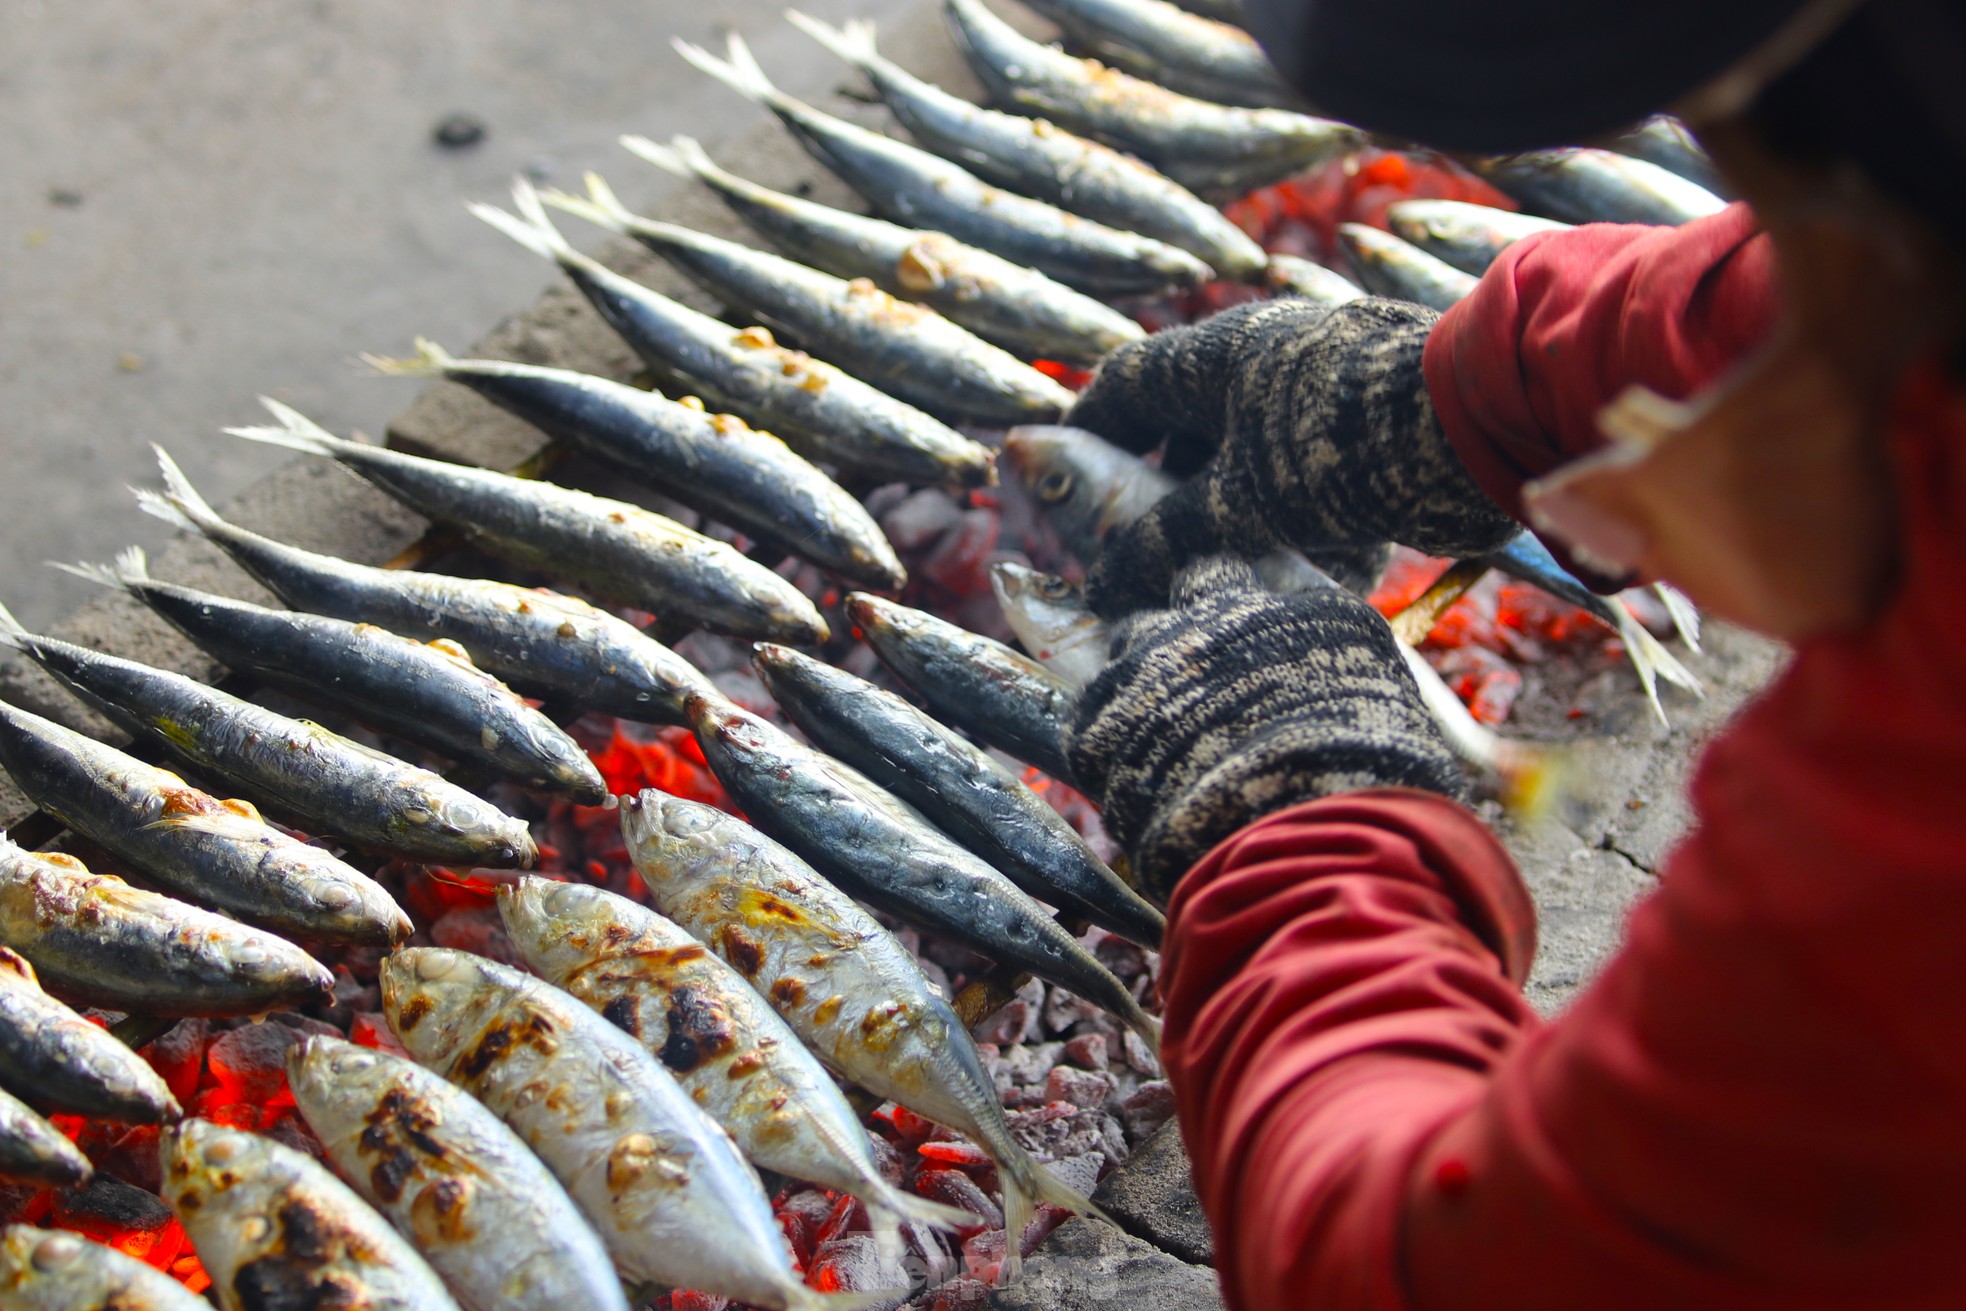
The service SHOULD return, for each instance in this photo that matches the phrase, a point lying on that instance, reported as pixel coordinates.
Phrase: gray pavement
(204, 201)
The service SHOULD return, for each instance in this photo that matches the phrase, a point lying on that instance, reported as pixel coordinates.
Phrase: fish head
(1085, 486)
(721, 725)
(876, 615)
(498, 839)
(38, 1263)
(203, 1166)
(321, 1070)
(568, 768)
(665, 832)
(1431, 222)
(559, 927)
(1041, 608)
(790, 674)
(436, 1000)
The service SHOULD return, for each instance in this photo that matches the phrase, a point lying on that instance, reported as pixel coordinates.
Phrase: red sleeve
(1761, 1102)
(1563, 322)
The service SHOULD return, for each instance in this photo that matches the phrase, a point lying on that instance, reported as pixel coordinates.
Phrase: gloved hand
(1303, 425)
(1236, 702)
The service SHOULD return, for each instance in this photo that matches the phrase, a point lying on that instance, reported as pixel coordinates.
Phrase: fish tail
(296, 431)
(532, 228)
(600, 206)
(920, 1210)
(1652, 662)
(430, 361)
(12, 633)
(739, 70)
(1146, 1026)
(1684, 614)
(683, 156)
(853, 43)
(131, 567)
(1025, 1184)
(179, 503)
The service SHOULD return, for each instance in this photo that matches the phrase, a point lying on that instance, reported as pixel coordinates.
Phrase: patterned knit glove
(1303, 425)
(1236, 702)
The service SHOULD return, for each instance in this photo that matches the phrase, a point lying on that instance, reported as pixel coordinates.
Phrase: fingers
(1137, 565)
(1213, 577)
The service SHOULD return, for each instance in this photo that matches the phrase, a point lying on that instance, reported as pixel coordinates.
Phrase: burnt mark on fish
(440, 1214)
(624, 1013)
(533, 1031)
(700, 1029)
(411, 1012)
(742, 950)
(398, 1128)
(767, 904)
(285, 1283)
(788, 992)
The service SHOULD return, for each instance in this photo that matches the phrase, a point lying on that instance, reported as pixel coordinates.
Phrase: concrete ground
(207, 201)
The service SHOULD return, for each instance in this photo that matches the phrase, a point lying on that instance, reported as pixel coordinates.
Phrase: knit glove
(1303, 425)
(1235, 702)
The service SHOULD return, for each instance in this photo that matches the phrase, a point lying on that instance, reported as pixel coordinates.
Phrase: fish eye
(1055, 486)
(1054, 588)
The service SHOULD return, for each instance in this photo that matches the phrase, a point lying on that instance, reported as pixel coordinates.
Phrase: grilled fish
(218, 854)
(634, 556)
(709, 1027)
(822, 412)
(35, 1153)
(881, 849)
(670, 1194)
(1209, 148)
(1469, 237)
(1392, 266)
(844, 985)
(97, 941)
(957, 786)
(1164, 43)
(460, 1186)
(715, 463)
(1288, 275)
(1664, 140)
(1581, 185)
(1051, 619)
(55, 1058)
(996, 695)
(540, 641)
(430, 694)
(912, 186)
(54, 1270)
(274, 1229)
(1006, 304)
(1036, 157)
(326, 781)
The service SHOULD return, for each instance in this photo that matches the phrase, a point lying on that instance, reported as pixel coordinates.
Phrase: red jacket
(1761, 1102)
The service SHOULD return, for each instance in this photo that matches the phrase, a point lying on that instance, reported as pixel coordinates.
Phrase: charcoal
(1148, 1109)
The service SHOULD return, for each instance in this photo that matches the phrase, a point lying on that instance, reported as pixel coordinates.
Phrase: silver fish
(555, 645)
(427, 693)
(54, 1057)
(823, 413)
(219, 854)
(996, 695)
(884, 851)
(1050, 617)
(54, 1270)
(844, 985)
(98, 941)
(1222, 11)
(715, 463)
(328, 782)
(1469, 237)
(707, 1025)
(1392, 266)
(1665, 141)
(1583, 185)
(460, 1186)
(1185, 52)
(633, 555)
(1036, 157)
(670, 1194)
(1006, 304)
(35, 1153)
(1209, 148)
(957, 786)
(1289, 275)
(275, 1229)
(912, 186)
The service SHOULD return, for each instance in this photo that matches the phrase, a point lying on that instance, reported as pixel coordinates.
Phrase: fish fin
(681, 156)
(853, 43)
(430, 361)
(132, 566)
(531, 228)
(600, 206)
(179, 503)
(225, 822)
(296, 432)
(1684, 614)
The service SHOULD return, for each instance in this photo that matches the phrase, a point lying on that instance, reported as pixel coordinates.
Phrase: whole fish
(1165, 44)
(957, 786)
(1584, 185)
(35, 1153)
(884, 851)
(98, 941)
(1469, 237)
(634, 556)
(823, 413)
(907, 350)
(912, 186)
(671, 1196)
(850, 991)
(557, 646)
(1006, 304)
(460, 1186)
(1665, 141)
(1208, 148)
(427, 693)
(1050, 617)
(1392, 266)
(712, 1030)
(1036, 157)
(274, 1229)
(996, 695)
(55, 1270)
(1289, 275)
(218, 854)
(715, 463)
(53, 1057)
(328, 782)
